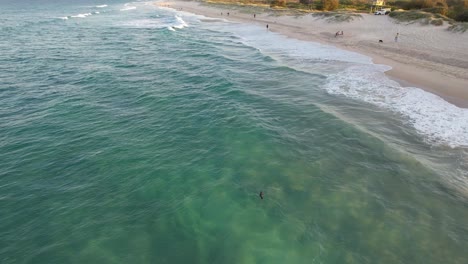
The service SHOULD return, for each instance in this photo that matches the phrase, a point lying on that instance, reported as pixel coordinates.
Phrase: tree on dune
(441, 6)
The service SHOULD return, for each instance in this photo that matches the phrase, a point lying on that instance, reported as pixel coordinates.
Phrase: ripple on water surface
(122, 141)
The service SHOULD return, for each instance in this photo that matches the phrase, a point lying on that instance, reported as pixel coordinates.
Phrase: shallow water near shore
(136, 134)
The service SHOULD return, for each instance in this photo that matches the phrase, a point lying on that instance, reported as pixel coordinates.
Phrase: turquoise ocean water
(136, 134)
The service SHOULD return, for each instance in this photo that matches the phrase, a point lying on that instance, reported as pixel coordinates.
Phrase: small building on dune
(377, 5)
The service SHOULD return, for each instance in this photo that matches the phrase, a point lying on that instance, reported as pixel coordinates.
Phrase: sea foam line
(355, 76)
(436, 119)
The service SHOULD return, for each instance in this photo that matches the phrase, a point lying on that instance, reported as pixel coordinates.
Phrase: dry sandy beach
(425, 56)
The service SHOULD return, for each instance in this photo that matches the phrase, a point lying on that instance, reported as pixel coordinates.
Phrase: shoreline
(414, 63)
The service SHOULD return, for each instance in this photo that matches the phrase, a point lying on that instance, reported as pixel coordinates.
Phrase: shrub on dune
(330, 5)
(462, 17)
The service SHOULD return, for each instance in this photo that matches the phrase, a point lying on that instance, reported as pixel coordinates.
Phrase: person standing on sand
(255, 15)
(267, 26)
(396, 37)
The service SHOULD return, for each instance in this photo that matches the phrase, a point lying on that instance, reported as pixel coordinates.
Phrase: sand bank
(427, 57)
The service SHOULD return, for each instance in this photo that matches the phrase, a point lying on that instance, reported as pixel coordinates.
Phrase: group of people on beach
(340, 33)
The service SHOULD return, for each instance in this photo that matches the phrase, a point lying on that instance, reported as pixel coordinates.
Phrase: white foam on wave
(101, 6)
(127, 8)
(170, 22)
(355, 76)
(436, 119)
(180, 23)
(82, 15)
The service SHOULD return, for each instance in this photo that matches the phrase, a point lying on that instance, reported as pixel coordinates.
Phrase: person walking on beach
(396, 37)
(255, 15)
(267, 26)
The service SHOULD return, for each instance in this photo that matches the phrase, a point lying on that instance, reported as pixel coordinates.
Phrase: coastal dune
(424, 56)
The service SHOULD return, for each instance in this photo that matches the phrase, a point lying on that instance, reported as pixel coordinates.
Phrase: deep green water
(122, 141)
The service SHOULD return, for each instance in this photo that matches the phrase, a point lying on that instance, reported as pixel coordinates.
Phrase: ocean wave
(171, 23)
(101, 6)
(180, 23)
(128, 8)
(84, 15)
(436, 119)
(355, 76)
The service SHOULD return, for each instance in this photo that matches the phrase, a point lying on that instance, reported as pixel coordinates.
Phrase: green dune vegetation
(434, 11)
